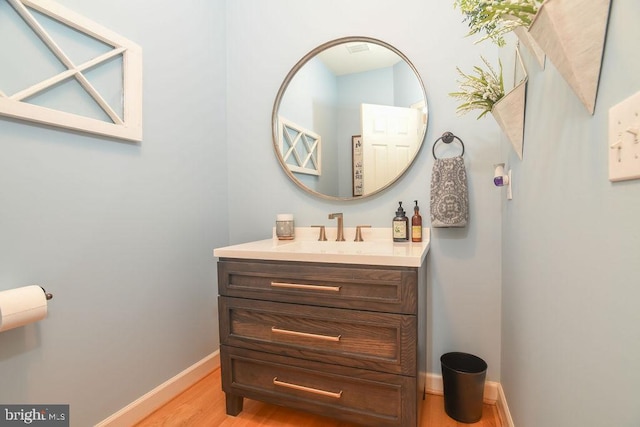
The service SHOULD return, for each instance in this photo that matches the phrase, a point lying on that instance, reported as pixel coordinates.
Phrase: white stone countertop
(378, 248)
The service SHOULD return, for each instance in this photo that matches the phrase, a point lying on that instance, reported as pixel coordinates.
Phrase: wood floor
(203, 405)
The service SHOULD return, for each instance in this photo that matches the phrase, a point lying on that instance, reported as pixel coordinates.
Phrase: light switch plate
(624, 139)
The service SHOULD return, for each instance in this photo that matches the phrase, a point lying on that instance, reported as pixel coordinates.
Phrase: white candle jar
(285, 227)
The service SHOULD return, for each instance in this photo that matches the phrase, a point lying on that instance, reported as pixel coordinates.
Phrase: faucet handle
(323, 236)
(359, 233)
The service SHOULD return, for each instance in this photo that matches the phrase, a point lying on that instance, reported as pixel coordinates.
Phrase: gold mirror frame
(285, 85)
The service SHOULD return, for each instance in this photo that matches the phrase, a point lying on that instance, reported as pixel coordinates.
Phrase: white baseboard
(145, 405)
(493, 395)
(503, 409)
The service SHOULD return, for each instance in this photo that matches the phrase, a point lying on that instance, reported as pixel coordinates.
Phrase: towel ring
(447, 138)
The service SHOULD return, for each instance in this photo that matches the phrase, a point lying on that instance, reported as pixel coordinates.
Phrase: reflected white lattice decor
(300, 148)
(120, 121)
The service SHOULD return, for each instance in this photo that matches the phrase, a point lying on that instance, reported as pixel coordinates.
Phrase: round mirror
(349, 118)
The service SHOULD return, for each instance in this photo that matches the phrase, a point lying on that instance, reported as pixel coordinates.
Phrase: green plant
(479, 91)
(497, 17)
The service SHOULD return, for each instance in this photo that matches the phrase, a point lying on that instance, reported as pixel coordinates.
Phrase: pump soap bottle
(400, 226)
(416, 224)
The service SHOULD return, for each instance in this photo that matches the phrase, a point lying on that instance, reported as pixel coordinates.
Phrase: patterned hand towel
(449, 194)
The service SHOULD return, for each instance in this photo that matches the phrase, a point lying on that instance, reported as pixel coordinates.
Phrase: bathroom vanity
(334, 328)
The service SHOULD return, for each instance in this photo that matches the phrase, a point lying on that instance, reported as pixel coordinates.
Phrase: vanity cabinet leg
(234, 404)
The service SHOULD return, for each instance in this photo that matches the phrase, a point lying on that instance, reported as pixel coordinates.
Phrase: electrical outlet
(624, 139)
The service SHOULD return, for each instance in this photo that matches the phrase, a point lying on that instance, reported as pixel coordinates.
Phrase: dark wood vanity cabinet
(345, 341)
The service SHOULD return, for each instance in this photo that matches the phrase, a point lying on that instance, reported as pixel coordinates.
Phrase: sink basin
(377, 249)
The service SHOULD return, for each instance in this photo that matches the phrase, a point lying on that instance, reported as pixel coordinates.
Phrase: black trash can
(463, 378)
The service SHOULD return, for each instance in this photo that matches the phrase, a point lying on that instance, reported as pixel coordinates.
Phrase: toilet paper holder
(22, 306)
(48, 295)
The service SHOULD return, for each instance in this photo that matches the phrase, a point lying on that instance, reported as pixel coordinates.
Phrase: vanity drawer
(365, 397)
(378, 341)
(374, 288)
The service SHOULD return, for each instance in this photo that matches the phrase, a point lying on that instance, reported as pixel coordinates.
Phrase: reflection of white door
(390, 137)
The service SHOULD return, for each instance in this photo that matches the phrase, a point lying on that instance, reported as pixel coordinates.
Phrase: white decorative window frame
(129, 126)
(311, 163)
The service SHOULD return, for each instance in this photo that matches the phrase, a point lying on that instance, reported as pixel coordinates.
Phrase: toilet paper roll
(21, 306)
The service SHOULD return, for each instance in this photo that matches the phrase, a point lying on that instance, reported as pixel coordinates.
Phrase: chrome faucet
(340, 237)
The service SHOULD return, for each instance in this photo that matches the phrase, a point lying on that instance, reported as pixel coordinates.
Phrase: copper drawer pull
(305, 334)
(303, 286)
(337, 395)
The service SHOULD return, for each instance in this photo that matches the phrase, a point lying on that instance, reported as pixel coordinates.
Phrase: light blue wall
(122, 234)
(542, 287)
(464, 265)
(571, 251)
(407, 90)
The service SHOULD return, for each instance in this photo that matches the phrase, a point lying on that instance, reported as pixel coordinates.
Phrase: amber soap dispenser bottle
(416, 224)
(400, 226)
